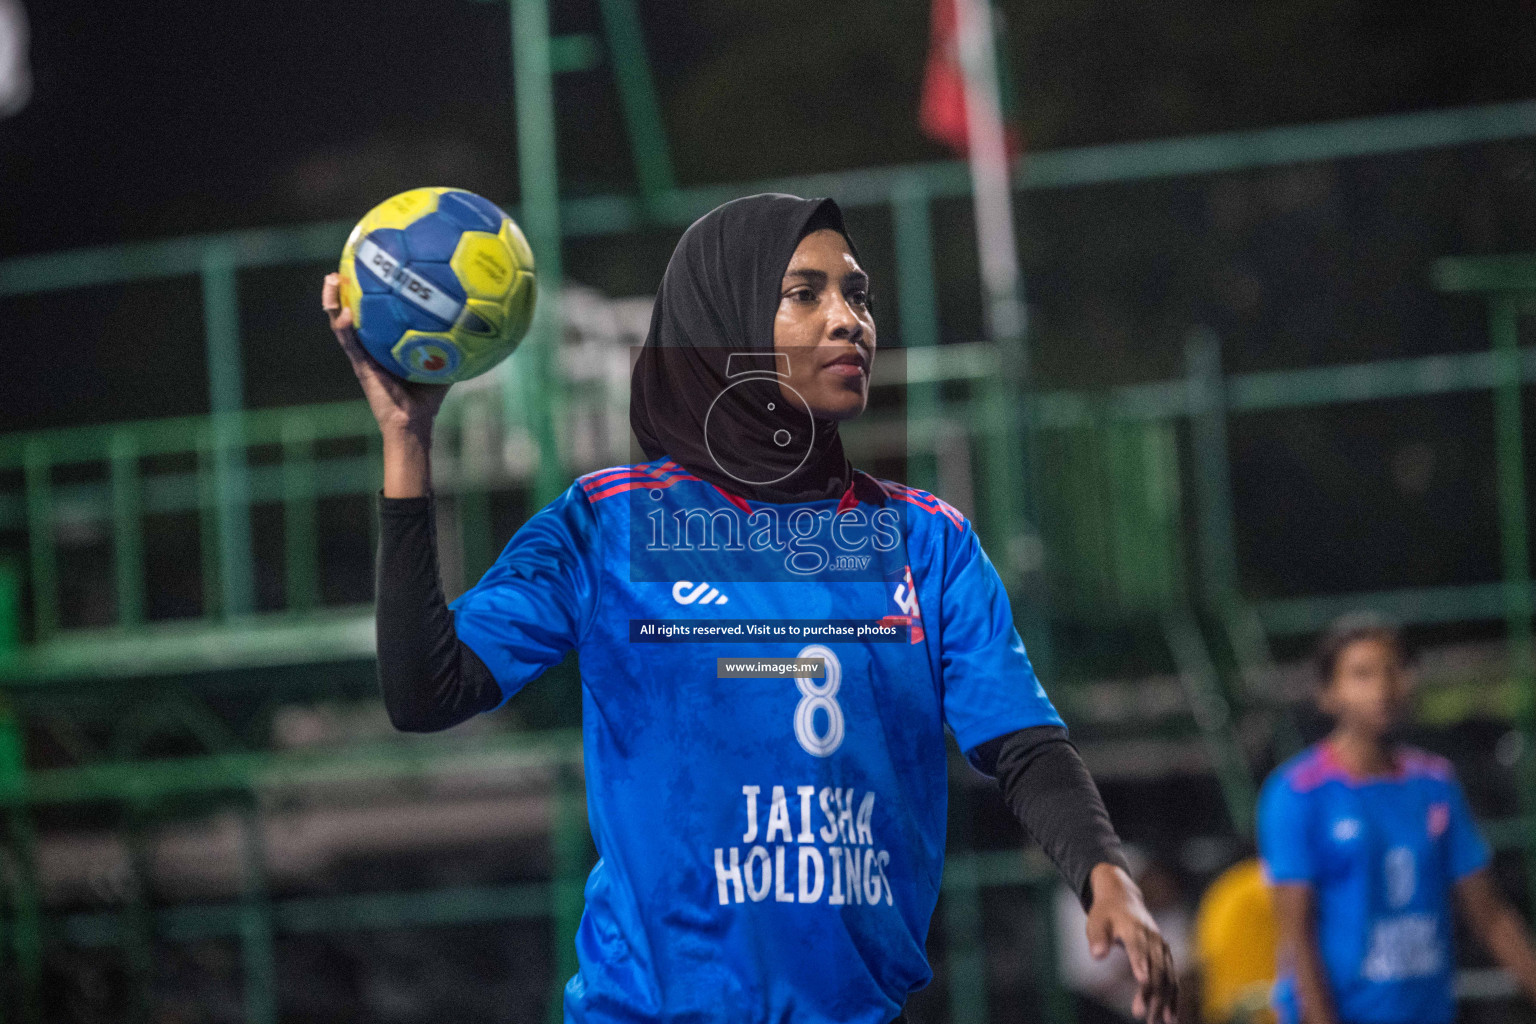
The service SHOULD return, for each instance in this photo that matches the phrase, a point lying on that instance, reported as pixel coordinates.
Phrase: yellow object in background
(1236, 940)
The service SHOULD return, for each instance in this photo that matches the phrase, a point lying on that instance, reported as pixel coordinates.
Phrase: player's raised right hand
(398, 405)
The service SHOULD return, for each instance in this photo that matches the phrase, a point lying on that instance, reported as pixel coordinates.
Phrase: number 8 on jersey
(821, 698)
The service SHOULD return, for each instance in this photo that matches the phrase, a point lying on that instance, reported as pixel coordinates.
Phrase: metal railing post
(1515, 546)
(1212, 473)
(256, 926)
(137, 920)
(1055, 1001)
(42, 556)
(637, 94)
(1212, 714)
(25, 920)
(917, 310)
(966, 967)
(477, 447)
(534, 371)
(226, 398)
(567, 892)
(127, 529)
(301, 544)
(208, 522)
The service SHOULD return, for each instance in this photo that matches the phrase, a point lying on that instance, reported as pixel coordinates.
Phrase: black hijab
(704, 391)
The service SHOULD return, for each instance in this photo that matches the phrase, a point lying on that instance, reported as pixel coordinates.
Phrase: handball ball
(440, 283)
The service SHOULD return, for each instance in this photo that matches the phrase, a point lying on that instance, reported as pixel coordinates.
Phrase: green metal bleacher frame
(40, 657)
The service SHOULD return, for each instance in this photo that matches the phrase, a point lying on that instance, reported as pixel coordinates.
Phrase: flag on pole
(944, 108)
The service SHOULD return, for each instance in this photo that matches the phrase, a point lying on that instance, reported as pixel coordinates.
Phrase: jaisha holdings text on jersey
(825, 854)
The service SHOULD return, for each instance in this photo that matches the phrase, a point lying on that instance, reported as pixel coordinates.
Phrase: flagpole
(1012, 504)
(990, 190)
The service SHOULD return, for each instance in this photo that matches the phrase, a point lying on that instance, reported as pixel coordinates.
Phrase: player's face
(824, 326)
(1370, 689)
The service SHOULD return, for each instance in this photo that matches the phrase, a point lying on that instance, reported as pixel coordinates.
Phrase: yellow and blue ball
(440, 283)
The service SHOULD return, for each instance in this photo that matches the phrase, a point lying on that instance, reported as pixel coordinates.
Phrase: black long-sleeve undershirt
(1048, 788)
(432, 680)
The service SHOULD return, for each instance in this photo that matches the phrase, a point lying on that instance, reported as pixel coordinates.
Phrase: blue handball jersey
(770, 848)
(1381, 855)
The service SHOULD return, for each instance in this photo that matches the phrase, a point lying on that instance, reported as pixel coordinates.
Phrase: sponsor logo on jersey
(910, 615)
(1404, 947)
(1439, 819)
(829, 853)
(688, 592)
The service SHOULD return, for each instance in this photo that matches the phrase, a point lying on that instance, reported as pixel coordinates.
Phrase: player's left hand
(1119, 915)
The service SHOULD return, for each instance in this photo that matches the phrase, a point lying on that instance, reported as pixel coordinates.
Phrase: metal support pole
(1514, 536)
(256, 943)
(917, 308)
(477, 447)
(966, 966)
(476, 546)
(41, 552)
(637, 93)
(536, 371)
(375, 459)
(127, 529)
(301, 543)
(1055, 1001)
(569, 838)
(1013, 509)
(208, 522)
(226, 399)
(1002, 285)
(138, 920)
(991, 189)
(1216, 542)
(1213, 484)
(1202, 689)
(25, 938)
(993, 210)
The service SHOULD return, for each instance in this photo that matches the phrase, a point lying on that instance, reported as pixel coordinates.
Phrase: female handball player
(1367, 844)
(771, 846)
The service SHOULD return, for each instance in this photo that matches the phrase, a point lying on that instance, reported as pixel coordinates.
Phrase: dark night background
(170, 118)
(156, 120)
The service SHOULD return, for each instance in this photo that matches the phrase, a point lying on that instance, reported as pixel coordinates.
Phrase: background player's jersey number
(820, 695)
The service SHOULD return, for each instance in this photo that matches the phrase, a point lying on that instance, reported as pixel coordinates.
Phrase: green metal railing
(145, 788)
(224, 464)
(297, 477)
(1143, 468)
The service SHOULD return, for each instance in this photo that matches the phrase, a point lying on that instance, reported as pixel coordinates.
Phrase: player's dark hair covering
(719, 296)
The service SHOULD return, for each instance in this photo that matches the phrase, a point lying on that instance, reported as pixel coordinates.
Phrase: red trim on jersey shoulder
(605, 483)
(1314, 770)
(925, 501)
(1323, 765)
(631, 485)
(637, 470)
(734, 499)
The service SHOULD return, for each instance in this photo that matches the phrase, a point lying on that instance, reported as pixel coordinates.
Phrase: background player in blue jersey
(1368, 844)
(770, 847)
